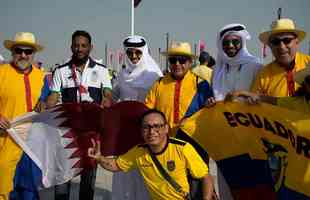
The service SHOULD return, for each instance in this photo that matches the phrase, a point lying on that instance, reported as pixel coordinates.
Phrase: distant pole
(195, 52)
(167, 46)
(132, 17)
(309, 48)
(279, 13)
(106, 53)
(159, 51)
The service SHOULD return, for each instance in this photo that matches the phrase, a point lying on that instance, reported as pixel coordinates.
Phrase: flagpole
(132, 18)
(106, 53)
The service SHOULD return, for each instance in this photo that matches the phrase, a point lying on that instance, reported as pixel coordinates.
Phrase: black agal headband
(127, 43)
(235, 28)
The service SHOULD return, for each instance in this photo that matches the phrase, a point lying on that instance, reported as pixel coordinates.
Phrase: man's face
(22, 56)
(80, 48)
(231, 44)
(179, 66)
(154, 130)
(284, 47)
(134, 55)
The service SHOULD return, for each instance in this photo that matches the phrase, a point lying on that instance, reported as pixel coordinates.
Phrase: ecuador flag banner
(274, 135)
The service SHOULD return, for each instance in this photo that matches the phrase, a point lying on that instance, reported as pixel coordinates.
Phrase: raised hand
(248, 97)
(94, 151)
(4, 123)
(210, 102)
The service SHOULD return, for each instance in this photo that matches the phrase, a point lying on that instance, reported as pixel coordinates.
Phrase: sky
(109, 22)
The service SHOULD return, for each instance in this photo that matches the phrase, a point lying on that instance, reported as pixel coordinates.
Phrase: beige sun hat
(300, 75)
(180, 49)
(283, 25)
(23, 39)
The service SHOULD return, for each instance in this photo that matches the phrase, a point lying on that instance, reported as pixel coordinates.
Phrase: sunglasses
(19, 51)
(285, 40)
(234, 42)
(130, 53)
(181, 59)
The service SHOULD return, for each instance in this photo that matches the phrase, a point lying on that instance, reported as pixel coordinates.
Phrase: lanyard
(81, 88)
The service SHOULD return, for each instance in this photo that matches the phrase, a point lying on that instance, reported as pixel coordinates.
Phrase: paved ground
(102, 191)
(104, 186)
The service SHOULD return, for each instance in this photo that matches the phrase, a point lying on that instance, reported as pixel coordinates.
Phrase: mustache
(23, 63)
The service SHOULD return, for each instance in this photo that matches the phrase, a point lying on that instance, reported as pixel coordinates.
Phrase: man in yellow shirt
(204, 70)
(179, 93)
(277, 78)
(298, 102)
(20, 88)
(176, 157)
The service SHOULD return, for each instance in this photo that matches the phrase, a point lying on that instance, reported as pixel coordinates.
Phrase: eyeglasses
(26, 51)
(155, 127)
(285, 40)
(182, 59)
(234, 42)
(130, 53)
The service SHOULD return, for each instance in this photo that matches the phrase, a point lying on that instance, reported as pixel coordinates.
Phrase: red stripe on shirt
(290, 82)
(176, 109)
(28, 92)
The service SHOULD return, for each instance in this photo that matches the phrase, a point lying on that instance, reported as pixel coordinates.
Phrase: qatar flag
(55, 142)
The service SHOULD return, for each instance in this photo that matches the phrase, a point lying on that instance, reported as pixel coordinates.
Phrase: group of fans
(171, 97)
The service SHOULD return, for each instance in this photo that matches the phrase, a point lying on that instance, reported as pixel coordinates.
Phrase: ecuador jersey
(176, 158)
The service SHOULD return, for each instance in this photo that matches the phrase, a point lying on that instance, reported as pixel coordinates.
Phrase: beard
(23, 64)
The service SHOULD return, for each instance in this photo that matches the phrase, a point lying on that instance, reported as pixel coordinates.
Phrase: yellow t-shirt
(162, 96)
(203, 71)
(271, 80)
(18, 94)
(176, 158)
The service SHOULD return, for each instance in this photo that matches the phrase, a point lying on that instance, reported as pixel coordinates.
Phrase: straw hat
(23, 39)
(282, 26)
(300, 76)
(180, 49)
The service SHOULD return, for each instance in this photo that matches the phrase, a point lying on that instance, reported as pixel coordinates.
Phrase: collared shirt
(178, 98)
(94, 78)
(176, 158)
(272, 79)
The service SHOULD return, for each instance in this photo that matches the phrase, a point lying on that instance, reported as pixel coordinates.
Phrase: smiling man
(179, 93)
(235, 68)
(277, 78)
(176, 157)
(20, 88)
(82, 79)
(134, 81)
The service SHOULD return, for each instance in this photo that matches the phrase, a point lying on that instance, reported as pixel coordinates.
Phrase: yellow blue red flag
(244, 139)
